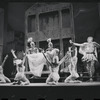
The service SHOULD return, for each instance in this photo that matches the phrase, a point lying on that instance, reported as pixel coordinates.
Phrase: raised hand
(70, 41)
(12, 51)
(4, 60)
(6, 57)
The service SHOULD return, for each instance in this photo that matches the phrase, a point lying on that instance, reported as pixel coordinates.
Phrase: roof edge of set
(40, 4)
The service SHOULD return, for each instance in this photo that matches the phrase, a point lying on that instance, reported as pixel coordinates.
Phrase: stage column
(72, 23)
(26, 30)
(1, 33)
(37, 30)
(26, 37)
(60, 36)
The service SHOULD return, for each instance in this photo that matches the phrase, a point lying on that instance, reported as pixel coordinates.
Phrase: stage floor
(63, 91)
(59, 84)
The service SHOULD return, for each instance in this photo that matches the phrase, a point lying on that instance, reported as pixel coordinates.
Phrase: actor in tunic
(89, 52)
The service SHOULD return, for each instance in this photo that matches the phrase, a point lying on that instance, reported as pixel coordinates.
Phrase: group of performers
(87, 49)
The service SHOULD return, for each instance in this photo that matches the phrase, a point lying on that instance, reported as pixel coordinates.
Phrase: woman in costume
(89, 52)
(31, 48)
(54, 68)
(50, 45)
(20, 77)
(72, 66)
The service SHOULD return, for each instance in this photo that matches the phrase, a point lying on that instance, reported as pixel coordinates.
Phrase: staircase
(44, 76)
(83, 77)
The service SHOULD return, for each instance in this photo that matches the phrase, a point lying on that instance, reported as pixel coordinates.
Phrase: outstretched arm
(76, 44)
(13, 53)
(7, 79)
(96, 45)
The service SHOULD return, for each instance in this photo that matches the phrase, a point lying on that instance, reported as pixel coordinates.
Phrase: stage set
(53, 22)
(42, 91)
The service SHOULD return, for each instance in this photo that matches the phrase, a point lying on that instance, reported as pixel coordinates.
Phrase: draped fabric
(36, 63)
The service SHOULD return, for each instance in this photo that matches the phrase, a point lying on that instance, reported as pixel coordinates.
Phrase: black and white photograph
(49, 50)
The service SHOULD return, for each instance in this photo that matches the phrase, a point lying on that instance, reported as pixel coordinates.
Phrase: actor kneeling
(54, 68)
(20, 77)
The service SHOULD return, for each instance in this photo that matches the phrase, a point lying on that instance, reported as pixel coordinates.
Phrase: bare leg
(73, 74)
(68, 79)
(25, 81)
(52, 80)
(55, 77)
(70, 76)
(7, 79)
(49, 79)
(2, 80)
(17, 79)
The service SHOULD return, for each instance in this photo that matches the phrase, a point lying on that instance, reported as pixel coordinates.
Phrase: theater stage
(58, 84)
(42, 91)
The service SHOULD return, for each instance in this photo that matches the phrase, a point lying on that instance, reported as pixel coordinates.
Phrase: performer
(72, 65)
(31, 48)
(3, 78)
(50, 45)
(54, 68)
(89, 52)
(20, 76)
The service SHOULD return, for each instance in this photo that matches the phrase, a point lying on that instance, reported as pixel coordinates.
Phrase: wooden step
(83, 76)
(43, 79)
(44, 72)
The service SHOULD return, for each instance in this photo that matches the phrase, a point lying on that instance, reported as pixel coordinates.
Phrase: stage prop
(50, 20)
